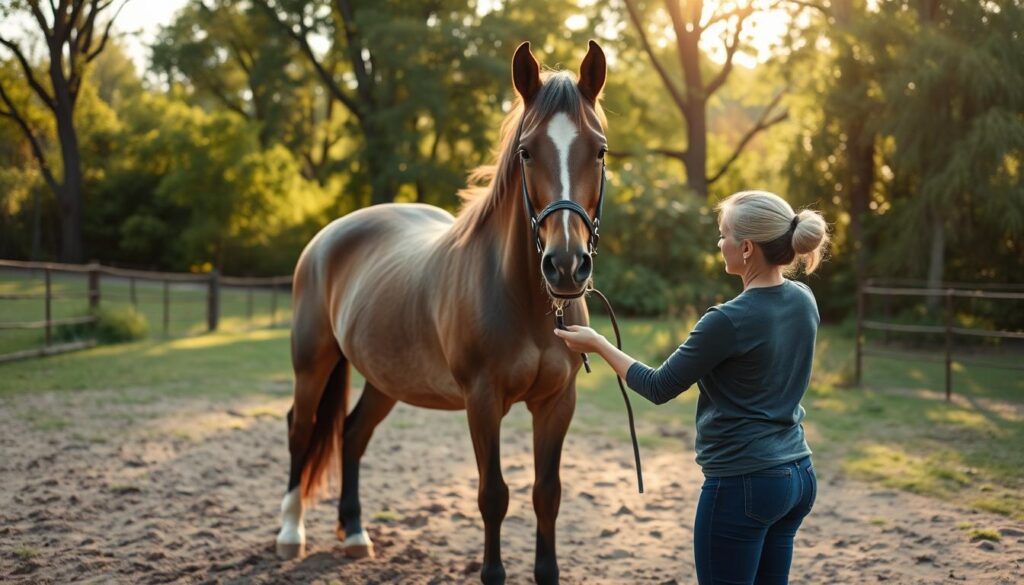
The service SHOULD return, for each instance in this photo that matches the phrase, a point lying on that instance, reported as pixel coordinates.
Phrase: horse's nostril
(548, 267)
(586, 266)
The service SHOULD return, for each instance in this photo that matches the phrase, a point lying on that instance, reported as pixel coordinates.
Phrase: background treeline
(257, 122)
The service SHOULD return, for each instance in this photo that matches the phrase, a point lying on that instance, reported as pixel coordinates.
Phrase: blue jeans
(745, 524)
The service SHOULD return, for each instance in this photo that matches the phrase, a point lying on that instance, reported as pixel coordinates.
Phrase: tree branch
(300, 37)
(677, 96)
(819, 7)
(41, 18)
(27, 70)
(106, 31)
(763, 122)
(674, 154)
(730, 52)
(37, 150)
(364, 83)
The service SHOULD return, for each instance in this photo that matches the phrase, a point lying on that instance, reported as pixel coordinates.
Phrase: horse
(455, 313)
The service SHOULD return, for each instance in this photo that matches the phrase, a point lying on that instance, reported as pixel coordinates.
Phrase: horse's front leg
(485, 411)
(551, 418)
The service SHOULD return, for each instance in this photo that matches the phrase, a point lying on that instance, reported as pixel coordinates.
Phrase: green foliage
(120, 325)
(235, 149)
(927, 107)
(112, 325)
(977, 534)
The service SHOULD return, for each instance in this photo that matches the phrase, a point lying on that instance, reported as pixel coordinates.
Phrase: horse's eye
(524, 153)
(601, 153)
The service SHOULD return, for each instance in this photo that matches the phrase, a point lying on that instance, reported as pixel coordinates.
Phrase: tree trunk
(862, 176)
(379, 157)
(936, 260)
(37, 225)
(696, 156)
(860, 144)
(70, 195)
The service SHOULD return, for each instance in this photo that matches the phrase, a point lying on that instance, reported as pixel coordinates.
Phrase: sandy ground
(100, 487)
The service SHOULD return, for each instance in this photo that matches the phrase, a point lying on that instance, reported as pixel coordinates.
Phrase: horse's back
(366, 276)
(360, 236)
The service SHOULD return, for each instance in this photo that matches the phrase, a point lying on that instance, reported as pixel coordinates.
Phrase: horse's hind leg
(373, 406)
(321, 390)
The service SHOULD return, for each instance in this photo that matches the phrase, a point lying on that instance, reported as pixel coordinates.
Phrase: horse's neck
(512, 237)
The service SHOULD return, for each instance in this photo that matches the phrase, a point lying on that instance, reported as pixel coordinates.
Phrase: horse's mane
(489, 184)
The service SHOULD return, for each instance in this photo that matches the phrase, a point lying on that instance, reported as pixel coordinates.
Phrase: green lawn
(897, 431)
(186, 315)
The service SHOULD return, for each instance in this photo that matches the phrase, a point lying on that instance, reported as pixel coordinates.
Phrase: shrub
(112, 325)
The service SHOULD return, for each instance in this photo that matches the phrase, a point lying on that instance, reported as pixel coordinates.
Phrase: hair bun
(810, 234)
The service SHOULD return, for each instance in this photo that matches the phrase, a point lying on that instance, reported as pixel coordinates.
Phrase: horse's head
(561, 151)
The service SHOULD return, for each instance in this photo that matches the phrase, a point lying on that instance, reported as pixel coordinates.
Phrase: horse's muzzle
(567, 273)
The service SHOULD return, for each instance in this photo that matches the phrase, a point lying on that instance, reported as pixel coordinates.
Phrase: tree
(689, 23)
(417, 78)
(231, 55)
(955, 113)
(73, 38)
(834, 158)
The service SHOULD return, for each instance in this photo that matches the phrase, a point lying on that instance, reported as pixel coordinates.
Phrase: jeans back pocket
(768, 494)
(812, 483)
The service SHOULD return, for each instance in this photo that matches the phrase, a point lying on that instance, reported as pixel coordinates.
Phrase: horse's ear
(526, 73)
(592, 72)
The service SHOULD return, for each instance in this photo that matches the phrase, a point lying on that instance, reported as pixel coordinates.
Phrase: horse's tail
(321, 461)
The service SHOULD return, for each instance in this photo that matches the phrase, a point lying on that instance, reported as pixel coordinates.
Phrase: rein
(560, 323)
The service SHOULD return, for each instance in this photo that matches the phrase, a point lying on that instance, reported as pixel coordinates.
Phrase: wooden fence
(205, 289)
(949, 331)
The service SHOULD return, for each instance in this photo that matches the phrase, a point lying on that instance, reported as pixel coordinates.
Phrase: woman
(751, 358)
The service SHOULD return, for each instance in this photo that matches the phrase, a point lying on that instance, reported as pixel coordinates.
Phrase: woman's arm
(586, 340)
(710, 342)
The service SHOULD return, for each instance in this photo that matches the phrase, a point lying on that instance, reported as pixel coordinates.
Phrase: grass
(386, 516)
(186, 315)
(25, 552)
(984, 534)
(896, 431)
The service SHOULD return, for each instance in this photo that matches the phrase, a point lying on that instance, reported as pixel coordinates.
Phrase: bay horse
(455, 313)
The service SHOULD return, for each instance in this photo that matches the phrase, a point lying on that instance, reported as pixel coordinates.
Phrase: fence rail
(949, 292)
(212, 284)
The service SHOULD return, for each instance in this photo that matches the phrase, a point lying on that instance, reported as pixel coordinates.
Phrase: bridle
(593, 228)
(536, 220)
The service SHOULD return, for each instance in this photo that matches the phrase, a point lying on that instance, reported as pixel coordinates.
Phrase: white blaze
(563, 132)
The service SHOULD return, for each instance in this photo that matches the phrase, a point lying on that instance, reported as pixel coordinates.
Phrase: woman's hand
(581, 339)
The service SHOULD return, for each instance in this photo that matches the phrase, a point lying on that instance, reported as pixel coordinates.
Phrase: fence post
(213, 301)
(94, 287)
(859, 359)
(131, 290)
(167, 307)
(949, 344)
(46, 272)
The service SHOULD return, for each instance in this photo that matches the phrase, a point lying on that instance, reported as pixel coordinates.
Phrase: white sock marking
(293, 529)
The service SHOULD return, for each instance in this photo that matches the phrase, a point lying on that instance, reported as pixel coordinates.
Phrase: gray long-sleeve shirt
(751, 358)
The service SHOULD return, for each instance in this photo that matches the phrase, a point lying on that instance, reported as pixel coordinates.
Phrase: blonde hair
(786, 237)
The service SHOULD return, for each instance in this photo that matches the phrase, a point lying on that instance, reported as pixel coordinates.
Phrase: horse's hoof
(358, 546)
(287, 550)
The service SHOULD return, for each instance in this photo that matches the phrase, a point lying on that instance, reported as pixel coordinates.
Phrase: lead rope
(560, 323)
